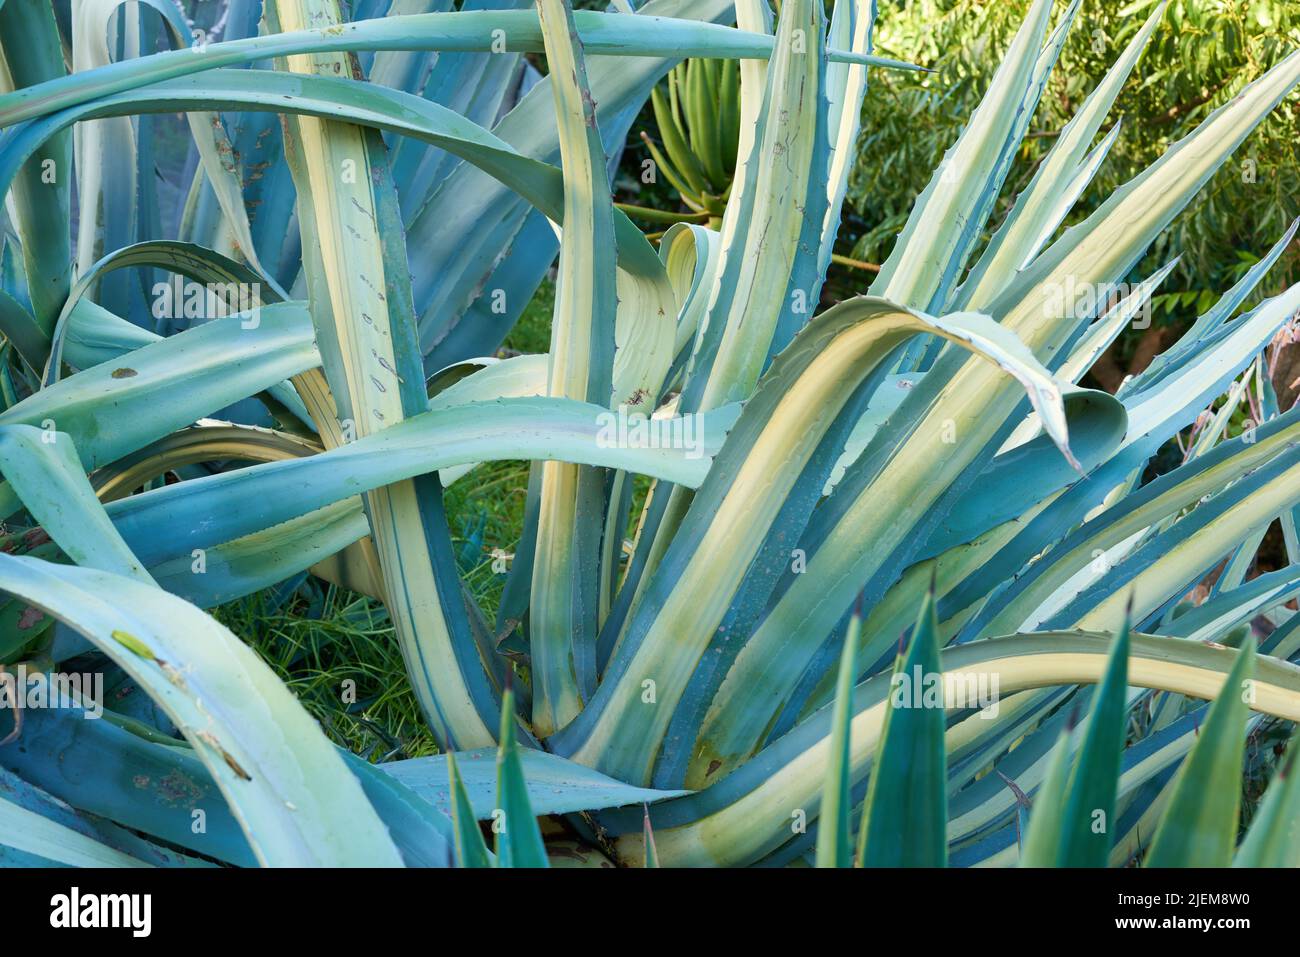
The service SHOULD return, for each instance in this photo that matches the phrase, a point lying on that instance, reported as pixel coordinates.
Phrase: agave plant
(812, 477)
(1084, 783)
(699, 120)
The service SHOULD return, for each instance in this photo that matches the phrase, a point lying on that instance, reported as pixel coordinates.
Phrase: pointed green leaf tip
(1042, 838)
(471, 850)
(1199, 828)
(518, 838)
(1274, 836)
(905, 819)
(834, 829)
(1073, 813)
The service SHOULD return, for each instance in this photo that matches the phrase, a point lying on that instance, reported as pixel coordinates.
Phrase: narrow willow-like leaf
(905, 816)
(1199, 827)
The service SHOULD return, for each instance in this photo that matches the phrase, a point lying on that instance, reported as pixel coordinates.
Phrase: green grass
(327, 643)
(336, 652)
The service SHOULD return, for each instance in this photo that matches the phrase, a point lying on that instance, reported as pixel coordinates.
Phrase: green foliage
(1205, 53)
(335, 651)
(905, 817)
(1073, 813)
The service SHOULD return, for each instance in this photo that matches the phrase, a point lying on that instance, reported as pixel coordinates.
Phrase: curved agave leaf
(1206, 325)
(1231, 467)
(239, 287)
(1099, 251)
(45, 473)
(467, 256)
(1183, 550)
(24, 334)
(1071, 822)
(30, 53)
(784, 422)
(606, 33)
(112, 410)
(245, 565)
(251, 499)
(554, 785)
(471, 850)
(747, 815)
(423, 834)
(851, 29)
(778, 211)
(324, 97)
(104, 767)
(765, 666)
(122, 772)
(518, 838)
(834, 833)
(291, 792)
(1157, 413)
(1047, 820)
(563, 604)
(645, 299)
(1221, 615)
(1199, 827)
(964, 519)
(99, 336)
(92, 335)
(358, 282)
(930, 251)
(1147, 767)
(1272, 838)
(106, 149)
(1099, 336)
(208, 440)
(60, 835)
(29, 832)
(905, 817)
(1062, 176)
(479, 87)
